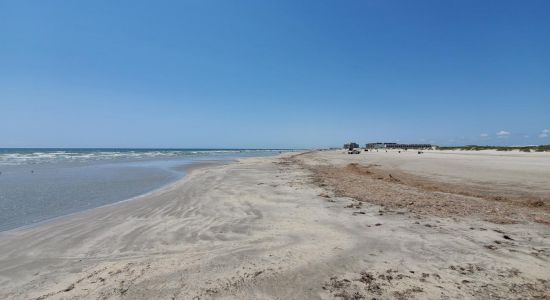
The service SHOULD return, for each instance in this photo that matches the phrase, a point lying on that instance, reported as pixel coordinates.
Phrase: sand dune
(263, 228)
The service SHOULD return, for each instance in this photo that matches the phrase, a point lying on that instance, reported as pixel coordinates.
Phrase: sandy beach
(312, 225)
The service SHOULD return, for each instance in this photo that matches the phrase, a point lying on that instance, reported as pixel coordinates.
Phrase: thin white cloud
(503, 134)
(484, 135)
(544, 133)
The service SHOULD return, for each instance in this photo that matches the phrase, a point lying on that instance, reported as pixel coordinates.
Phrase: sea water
(41, 184)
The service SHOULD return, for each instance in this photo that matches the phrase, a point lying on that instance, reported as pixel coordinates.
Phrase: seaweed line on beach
(371, 183)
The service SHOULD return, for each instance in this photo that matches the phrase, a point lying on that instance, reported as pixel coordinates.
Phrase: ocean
(40, 184)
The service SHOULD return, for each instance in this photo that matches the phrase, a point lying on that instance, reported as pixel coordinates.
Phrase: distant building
(397, 146)
(351, 146)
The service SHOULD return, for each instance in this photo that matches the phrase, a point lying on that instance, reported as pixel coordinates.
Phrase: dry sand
(501, 187)
(280, 228)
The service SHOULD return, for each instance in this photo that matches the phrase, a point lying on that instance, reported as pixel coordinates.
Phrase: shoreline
(37, 186)
(263, 228)
(188, 168)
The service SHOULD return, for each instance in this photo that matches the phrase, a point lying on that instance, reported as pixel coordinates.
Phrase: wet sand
(273, 228)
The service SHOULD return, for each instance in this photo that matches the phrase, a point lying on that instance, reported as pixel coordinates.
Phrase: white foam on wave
(22, 157)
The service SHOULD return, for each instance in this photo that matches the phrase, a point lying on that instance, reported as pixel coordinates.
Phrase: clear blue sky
(253, 73)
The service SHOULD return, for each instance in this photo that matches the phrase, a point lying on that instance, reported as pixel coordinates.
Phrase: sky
(273, 74)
